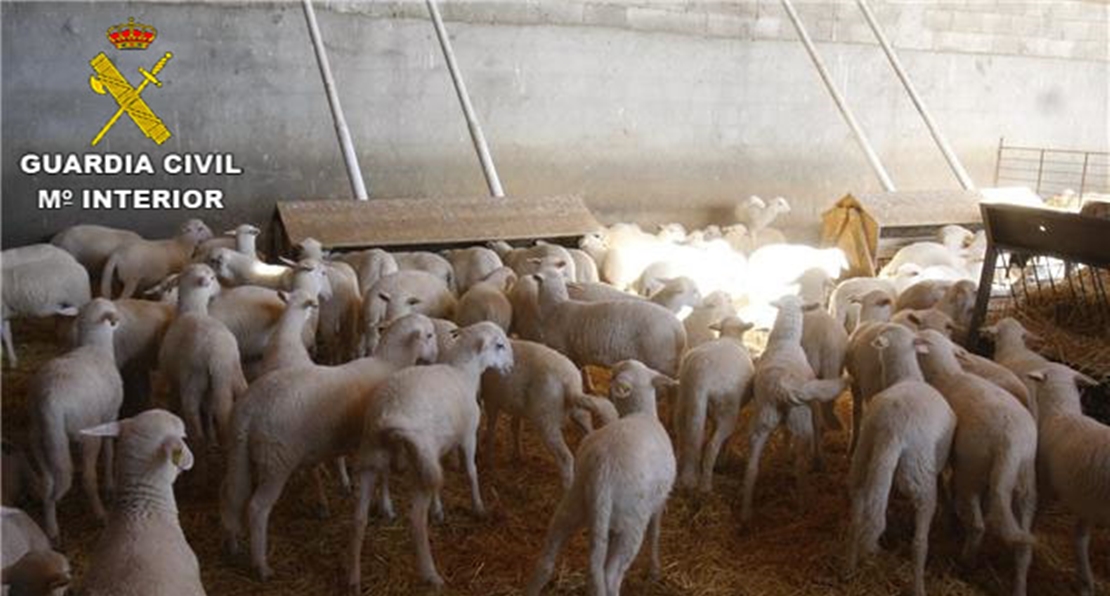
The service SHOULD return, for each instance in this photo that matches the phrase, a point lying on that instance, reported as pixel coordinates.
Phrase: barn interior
(704, 158)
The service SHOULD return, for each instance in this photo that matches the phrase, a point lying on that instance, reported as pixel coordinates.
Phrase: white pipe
(476, 135)
(872, 157)
(349, 155)
(942, 143)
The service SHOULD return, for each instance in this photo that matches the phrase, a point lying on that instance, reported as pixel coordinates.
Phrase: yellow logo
(108, 80)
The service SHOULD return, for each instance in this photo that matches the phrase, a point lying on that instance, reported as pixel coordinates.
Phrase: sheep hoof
(434, 581)
(264, 573)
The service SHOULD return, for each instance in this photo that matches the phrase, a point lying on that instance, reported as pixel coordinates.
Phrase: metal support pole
(476, 135)
(872, 157)
(942, 143)
(341, 130)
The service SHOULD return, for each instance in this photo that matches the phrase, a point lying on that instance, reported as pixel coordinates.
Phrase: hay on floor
(791, 548)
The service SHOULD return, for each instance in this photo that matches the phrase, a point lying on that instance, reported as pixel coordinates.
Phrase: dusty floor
(791, 548)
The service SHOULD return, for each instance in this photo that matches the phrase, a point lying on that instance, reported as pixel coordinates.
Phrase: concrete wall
(651, 110)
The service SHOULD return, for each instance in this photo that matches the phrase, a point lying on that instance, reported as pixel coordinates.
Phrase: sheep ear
(66, 311)
(108, 429)
(178, 453)
(920, 345)
(535, 260)
(715, 327)
(880, 343)
(1085, 381)
(1037, 375)
(231, 233)
(990, 330)
(662, 381)
(288, 261)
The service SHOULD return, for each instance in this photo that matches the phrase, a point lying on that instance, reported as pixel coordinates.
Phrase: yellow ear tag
(176, 457)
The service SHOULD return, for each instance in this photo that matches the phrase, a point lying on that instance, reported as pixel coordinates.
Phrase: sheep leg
(90, 452)
(689, 421)
(108, 445)
(1023, 553)
(492, 414)
(817, 447)
(50, 496)
(655, 526)
(223, 400)
(599, 542)
(129, 287)
(518, 422)
(468, 452)
(9, 345)
(923, 520)
(385, 507)
(552, 437)
(799, 421)
(344, 477)
(258, 517)
(765, 421)
(622, 551)
(583, 419)
(971, 515)
(321, 495)
(566, 520)
(1083, 556)
(419, 518)
(362, 515)
(857, 416)
(725, 423)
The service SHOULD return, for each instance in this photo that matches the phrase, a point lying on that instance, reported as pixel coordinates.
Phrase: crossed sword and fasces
(108, 79)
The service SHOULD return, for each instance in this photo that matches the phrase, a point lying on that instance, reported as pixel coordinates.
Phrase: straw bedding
(791, 548)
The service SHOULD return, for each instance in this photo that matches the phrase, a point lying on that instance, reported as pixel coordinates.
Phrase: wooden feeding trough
(871, 227)
(429, 222)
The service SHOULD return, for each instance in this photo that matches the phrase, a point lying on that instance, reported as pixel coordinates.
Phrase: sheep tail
(601, 409)
(1000, 515)
(821, 390)
(423, 460)
(870, 481)
(108, 276)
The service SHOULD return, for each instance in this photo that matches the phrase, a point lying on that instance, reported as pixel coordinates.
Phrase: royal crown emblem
(131, 35)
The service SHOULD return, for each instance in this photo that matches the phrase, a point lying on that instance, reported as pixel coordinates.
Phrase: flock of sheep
(376, 363)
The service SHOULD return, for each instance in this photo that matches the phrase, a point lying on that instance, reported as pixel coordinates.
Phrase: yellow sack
(850, 228)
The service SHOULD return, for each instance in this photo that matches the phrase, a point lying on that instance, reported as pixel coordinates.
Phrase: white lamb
(784, 386)
(30, 566)
(949, 252)
(994, 456)
(79, 389)
(543, 387)
(758, 216)
(199, 360)
(1073, 456)
(487, 300)
(236, 269)
(91, 244)
(286, 347)
(905, 440)
(850, 290)
(624, 473)
(401, 293)
(273, 436)
(143, 550)
(370, 266)
(542, 255)
(428, 262)
(337, 328)
(141, 264)
(39, 281)
(420, 415)
(604, 333)
(714, 382)
(472, 265)
(1010, 350)
(713, 309)
(774, 270)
